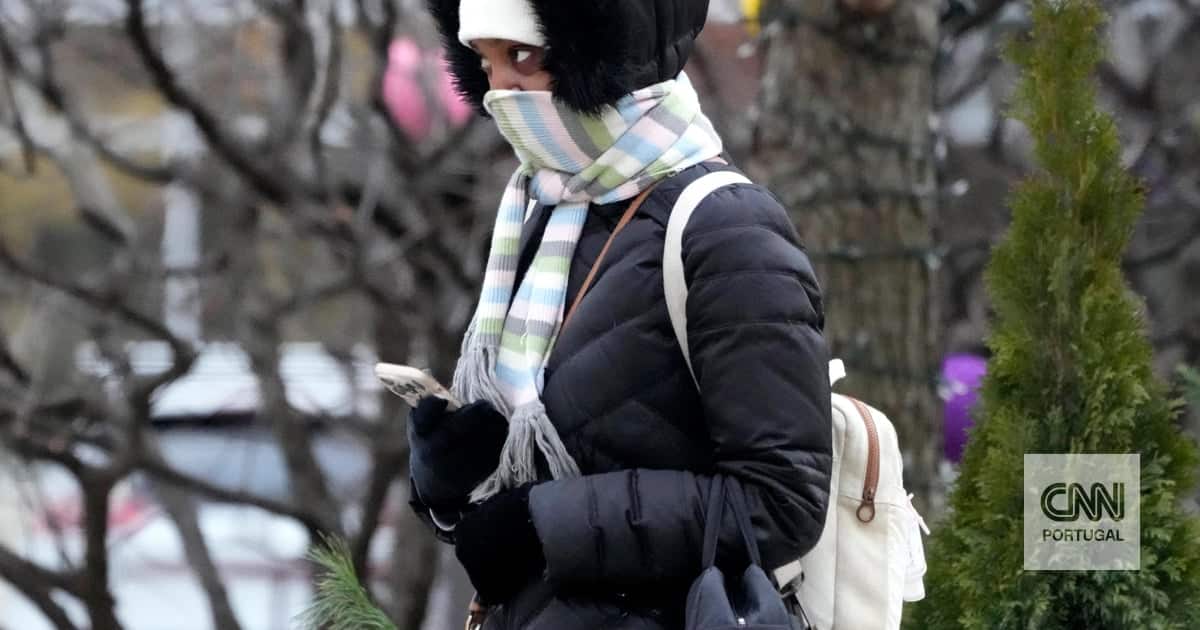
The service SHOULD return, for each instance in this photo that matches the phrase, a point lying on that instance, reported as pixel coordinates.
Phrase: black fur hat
(596, 50)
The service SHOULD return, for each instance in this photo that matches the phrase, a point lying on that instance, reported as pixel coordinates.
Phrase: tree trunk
(844, 139)
(413, 569)
(97, 594)
(184, 512)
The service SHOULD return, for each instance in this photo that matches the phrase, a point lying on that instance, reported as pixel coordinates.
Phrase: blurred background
(216, 215)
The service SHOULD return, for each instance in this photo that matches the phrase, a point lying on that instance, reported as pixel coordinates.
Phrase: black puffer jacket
(622, 542)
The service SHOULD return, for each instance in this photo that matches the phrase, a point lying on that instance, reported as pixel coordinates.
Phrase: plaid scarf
(568, 160)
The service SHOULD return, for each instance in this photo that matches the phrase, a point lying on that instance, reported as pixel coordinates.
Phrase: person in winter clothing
(574, 482)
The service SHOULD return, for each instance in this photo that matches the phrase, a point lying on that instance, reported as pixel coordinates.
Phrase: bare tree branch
(183, 355)
(182, 510)
(70, 583)
(163, 472)
(312, 295)
(92, 585)
(36, 504)
(1143, 99)
(981, 74)
(309, 486)
(389, 462)
(52, 91)
(405, 227)
(380, 35)
(10, 363)
(435, 160)
(1166, 250)
(103, 301)
(59, 450)
(34, 583)
(9, 61)
(982, 16)
(271, 185)
(298, 52)
(96, 595)
(326, 90)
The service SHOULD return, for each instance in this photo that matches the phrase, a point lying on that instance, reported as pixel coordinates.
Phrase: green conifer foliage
(1070, 373)
(1191, 384)
(340, 602)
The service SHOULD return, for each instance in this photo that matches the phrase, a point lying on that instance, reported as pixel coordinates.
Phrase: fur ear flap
(463, 63)
(597, 51)
(588, 48)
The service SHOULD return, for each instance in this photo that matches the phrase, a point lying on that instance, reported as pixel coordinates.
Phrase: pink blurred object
(457, 109)
(402, 90)
(403, 94)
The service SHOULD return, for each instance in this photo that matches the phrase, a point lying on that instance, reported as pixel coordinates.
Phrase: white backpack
(870, 558)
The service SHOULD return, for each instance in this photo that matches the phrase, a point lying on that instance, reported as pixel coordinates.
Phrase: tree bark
(183, 511)
(97, 596)
(414, 564)
(36, 585)
(844, 140)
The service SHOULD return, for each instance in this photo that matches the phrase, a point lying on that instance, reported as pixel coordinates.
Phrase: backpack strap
(674, 284)
(676, 291)
(675, 288)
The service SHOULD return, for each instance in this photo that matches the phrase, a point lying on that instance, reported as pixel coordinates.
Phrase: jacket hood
(596, 50)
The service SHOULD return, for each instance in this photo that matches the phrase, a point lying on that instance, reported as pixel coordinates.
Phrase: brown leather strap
(866, 509)
(587, 282)
(476, 614)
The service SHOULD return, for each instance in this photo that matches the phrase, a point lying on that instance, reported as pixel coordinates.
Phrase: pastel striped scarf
(568, 160)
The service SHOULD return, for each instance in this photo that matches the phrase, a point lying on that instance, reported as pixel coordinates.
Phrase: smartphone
(413, 384)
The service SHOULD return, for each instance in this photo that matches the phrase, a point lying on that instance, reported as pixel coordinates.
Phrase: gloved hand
(452, 452)
(498, 546)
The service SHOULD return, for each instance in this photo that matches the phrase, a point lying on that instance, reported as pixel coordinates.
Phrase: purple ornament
(959, 389)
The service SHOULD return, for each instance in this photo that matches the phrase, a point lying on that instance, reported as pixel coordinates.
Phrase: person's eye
(527, 61)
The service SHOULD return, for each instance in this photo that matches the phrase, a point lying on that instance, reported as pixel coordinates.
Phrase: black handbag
(745, 602)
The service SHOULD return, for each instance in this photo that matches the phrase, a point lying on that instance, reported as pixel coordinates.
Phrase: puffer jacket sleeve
(755, 331)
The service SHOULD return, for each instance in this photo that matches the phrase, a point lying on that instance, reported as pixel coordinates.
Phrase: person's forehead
(486, 43)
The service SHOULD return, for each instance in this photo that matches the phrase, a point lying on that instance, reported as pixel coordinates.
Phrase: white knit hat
(498, 19)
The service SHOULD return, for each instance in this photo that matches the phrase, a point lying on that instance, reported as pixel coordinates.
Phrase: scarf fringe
(528, 428)
(473, 375)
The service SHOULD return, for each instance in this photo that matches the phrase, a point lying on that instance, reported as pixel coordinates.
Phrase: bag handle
(712, 521)
(722, 491)
(741, 512)
(587, 282)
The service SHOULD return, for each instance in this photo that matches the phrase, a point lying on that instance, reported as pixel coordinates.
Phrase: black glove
(498, 546)
(451, 452)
